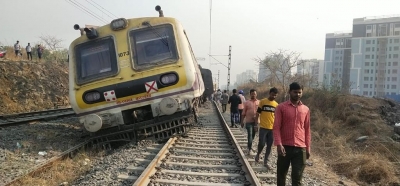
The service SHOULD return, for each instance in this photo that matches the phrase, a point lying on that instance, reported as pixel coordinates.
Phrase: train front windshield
(152, 45)
(96, 59)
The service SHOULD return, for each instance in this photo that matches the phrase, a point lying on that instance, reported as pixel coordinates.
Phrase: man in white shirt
(17, 48)
(29, 51)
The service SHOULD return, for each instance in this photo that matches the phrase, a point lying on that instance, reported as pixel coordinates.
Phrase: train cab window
(95, 60)
(153, 45)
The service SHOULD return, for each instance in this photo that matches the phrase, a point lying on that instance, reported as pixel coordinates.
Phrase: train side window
(95, 60)
(153, 45)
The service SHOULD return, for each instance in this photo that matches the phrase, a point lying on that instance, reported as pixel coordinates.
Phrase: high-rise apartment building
(263, 73)
(245, 77)
(337, 60)
(375, 69)
(314, 68)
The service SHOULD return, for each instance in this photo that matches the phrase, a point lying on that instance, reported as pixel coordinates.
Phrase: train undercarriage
(158, 128)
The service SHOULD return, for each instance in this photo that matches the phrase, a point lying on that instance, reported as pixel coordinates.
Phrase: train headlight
(168, 106)
(169, 79)
(118, 24)
(92, 96)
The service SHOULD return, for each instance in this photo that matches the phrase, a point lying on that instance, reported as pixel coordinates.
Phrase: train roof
(91, 32)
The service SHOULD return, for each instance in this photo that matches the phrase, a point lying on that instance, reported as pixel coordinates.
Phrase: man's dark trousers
(296, 156)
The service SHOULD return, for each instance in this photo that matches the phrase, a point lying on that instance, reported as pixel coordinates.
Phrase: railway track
(263, 174)
(209, 155)
(97, 142)
(14, 119)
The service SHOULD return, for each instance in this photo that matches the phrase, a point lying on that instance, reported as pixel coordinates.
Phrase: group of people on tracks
(285, 125)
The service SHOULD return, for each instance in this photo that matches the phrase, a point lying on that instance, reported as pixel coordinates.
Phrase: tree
(53, 49)
(306, 79)
(51, 42)
(279, 66)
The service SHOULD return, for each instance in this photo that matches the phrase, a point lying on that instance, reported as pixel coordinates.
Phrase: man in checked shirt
(249, 116)
(292, 136)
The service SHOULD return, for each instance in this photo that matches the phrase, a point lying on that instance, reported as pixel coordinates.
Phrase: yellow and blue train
(138, 73)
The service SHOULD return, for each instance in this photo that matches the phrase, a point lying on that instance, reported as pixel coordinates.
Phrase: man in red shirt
(292, 136)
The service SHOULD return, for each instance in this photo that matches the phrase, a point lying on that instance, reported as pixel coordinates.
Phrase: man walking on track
(265, 111)
(292, 136)
(234, 100)
(224, 101)
(217, 96)
(249, 116)
(241, 105)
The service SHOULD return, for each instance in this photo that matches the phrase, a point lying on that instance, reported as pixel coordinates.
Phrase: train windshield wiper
(164, 39)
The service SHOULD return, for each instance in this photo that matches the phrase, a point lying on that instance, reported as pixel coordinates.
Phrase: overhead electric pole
(218, 81)
(229, 68)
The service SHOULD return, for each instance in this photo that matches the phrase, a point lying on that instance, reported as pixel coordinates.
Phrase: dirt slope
(32, 86)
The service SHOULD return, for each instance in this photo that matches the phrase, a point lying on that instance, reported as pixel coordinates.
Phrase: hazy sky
(251, 27)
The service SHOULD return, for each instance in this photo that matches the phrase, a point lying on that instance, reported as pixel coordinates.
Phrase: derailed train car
(136, 73)
(208, 83)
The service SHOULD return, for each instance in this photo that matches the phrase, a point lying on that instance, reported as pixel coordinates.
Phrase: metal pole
(229, 67)
(218, 81)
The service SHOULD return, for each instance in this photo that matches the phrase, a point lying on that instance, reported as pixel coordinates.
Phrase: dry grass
(336, 126)
(61, 171)
(366, 168)
(262, 90)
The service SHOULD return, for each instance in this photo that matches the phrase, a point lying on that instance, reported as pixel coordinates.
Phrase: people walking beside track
(224, 101)
(265, 111)
(249, 118)
(218, 95)
(292, 136)
(235, 101)
(29, 51)
(243, 99)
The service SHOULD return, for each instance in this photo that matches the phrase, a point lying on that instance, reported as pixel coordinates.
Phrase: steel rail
(87, 143)
(18, 118)
(34, 113)
(45, 164)
(250, 175)
(146, 176)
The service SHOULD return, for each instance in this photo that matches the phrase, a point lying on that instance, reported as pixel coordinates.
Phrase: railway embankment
(27, 86)
(354, 137)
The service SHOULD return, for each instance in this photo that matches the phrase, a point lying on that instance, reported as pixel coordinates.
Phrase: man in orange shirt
(249, 116)
(292, 136)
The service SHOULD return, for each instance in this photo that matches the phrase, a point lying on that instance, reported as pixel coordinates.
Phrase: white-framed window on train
(153, 45)
(95, 60)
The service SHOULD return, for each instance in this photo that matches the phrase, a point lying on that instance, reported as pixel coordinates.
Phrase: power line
(209, 49)
(101, 8)
(218, 61)
(82, 9)
(79, 6)
(88, 9)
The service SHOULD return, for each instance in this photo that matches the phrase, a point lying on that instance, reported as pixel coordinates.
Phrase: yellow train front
(137, 73)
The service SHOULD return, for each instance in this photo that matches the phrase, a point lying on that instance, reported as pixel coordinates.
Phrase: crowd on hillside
(28, 51)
